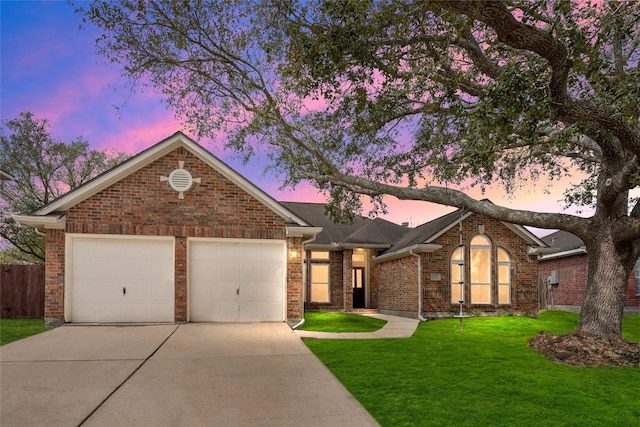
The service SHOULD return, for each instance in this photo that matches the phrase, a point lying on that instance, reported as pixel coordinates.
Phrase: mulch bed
(586, 351)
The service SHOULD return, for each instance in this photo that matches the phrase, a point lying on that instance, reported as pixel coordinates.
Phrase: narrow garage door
(121, 279)
(236, 281)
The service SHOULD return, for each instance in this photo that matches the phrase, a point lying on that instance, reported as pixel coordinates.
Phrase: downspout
(304, 277)
(422, 319)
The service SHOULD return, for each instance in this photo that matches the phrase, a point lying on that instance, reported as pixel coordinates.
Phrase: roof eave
(404, 252)
(526, 235)
(571, 252)
(53, 221)
(297, 231)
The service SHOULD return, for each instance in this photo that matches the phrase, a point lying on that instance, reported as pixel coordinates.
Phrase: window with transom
(480, 270)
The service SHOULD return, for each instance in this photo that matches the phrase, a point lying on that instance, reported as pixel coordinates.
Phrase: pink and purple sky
(49, 67)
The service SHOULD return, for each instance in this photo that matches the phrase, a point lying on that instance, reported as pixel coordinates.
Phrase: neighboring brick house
(171, 235)
(571, 262)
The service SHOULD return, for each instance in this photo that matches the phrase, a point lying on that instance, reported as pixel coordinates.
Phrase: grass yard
(16, 329)
(340, 322)
(485, 375)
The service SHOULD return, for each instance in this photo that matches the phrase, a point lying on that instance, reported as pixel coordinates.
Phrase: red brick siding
(54, 276)
(436, 295)
(632, 299)
(141, 204)
(295, 304)
(347, 279)
(397, 287)
(572, 280)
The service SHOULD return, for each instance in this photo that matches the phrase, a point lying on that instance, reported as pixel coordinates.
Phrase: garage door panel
(163, 290)
(241, 278)
(250, 293)
(272, 292)
(122, 279)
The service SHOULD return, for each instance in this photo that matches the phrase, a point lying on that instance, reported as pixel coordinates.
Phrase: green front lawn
(340, 322)
(16, 329)
(485, 375)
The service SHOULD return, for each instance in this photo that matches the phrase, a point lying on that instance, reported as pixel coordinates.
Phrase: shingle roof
(365, 231)
(427, 231)
(563, 240)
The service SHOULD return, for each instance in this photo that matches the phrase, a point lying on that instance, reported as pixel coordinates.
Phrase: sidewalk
(396, 327)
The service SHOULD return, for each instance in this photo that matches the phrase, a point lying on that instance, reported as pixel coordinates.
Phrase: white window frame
(473, 285)
(459, 265)
(327, 283)
(506, 264)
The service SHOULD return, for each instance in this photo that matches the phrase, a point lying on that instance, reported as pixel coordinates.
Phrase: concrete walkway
(396, 327)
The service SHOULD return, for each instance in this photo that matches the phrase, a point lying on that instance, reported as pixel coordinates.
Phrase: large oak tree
(411, 99)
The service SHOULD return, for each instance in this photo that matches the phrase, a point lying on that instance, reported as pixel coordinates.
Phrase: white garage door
(123, 279)
(236, 281)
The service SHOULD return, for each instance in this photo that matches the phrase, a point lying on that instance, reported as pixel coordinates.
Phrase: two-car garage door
(132, 279)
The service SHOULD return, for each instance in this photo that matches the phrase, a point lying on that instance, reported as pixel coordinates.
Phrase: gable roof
(4, 176)
(421, 238)
(564, 243)
(57, 207)
(363, 232)
(429, 231)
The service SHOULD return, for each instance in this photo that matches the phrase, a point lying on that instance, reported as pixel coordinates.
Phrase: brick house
(337, 262)
(417, 272)
(489, 265)
(171, 235)
(175, 235)
(570, 261)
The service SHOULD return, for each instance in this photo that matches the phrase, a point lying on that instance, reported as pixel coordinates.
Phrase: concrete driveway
(171, 375)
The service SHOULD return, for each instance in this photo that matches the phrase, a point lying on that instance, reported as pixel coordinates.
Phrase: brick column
(54, 279)
(180, 314)
(347, 279)
(295, 303)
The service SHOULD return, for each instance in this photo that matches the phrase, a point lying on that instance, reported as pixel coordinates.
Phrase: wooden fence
(21, 290)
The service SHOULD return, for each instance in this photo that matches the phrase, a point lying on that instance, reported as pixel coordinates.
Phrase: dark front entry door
(358, 287)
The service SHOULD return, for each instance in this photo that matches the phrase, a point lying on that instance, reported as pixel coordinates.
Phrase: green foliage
(43, 169)
(350, 94)
(17, 329)
(340, 322)
(486, 375)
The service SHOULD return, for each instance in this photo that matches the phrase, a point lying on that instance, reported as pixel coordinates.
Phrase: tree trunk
(609, 268)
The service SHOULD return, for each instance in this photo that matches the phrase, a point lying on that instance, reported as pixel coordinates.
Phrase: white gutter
(52, 221)
(571, 252)
(422, 319)
(300, 323)
(419, 248)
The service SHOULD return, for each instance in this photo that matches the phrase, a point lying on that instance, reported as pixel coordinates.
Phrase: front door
(358, 287)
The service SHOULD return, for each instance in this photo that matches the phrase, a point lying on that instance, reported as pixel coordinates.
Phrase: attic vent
(180, 180)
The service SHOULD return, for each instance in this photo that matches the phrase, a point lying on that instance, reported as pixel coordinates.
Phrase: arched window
(457, 275)
(480, 255)
(504, 277)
